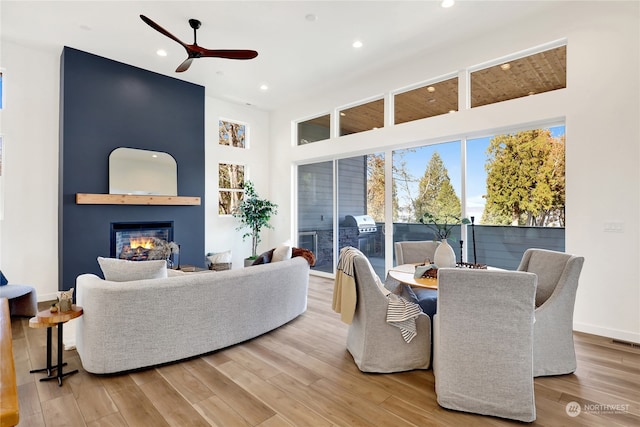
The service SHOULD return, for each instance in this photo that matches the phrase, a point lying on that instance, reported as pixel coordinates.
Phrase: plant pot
(444, 257)
(248, 262)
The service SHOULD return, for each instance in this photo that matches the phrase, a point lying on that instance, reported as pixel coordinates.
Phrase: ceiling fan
(195, 51)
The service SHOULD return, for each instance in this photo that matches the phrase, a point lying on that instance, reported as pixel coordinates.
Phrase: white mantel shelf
(126, 199)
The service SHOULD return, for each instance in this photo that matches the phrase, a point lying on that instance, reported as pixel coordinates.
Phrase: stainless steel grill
(365, 223)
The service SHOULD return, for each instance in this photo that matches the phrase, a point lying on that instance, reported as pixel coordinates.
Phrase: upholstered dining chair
(377, 346)
(483, 342)
(410, 252)
(415, 251)
(558, 274)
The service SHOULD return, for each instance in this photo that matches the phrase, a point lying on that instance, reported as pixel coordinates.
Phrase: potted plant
(254, 214)
(442, 226)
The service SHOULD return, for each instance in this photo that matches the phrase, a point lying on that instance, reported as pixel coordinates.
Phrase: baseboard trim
(615, 334)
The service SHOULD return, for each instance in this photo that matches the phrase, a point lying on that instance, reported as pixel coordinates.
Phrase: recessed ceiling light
(452, 111)
(161, 52)
(357, 44)
(447, 3)
(532, 93)
(342, 114)
(264, 87)
(431, 89)
(506, 66)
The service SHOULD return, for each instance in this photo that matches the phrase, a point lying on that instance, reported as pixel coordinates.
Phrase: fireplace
(134, 241)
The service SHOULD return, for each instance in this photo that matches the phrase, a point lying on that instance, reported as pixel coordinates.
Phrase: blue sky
(417, 160)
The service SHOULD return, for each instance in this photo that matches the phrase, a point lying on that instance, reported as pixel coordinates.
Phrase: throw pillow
(220, 257)
(120, 270)
(282, 252)
(3, 280)
(264, 258)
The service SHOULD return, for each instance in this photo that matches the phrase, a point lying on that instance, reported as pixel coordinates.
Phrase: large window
(360, 206)
(513, 194)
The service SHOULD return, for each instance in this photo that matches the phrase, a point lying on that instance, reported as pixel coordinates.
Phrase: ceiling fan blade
(229, 53)
(185, 65)
(161, 30)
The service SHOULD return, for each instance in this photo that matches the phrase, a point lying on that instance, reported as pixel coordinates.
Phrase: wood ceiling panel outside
(426, 101)
(537, 73)
(362, 117)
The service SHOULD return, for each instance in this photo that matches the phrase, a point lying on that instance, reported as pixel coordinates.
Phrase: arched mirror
(142, 172)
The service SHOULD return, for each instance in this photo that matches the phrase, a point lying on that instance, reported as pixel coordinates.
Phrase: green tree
(436, 194)
(525, 179)
(376, 188)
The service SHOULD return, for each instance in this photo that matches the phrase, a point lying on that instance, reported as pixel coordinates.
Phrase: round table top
(46, 317)
(404, 274)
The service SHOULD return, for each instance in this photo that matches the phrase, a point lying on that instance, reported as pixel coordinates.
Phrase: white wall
(601, 106)
(221, 230)
(29, 229)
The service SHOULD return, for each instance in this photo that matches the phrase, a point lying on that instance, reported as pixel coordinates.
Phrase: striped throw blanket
(401, 313)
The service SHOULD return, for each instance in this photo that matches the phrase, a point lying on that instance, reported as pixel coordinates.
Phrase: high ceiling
(302, 45)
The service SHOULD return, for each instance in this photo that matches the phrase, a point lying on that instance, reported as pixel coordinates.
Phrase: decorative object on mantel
(254, 213)
(444, 255)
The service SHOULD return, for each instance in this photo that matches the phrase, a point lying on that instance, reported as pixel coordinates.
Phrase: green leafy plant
(442, 226)
(254, 214)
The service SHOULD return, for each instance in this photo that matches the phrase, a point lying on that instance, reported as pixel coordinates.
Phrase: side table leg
(59, 374)
(49, 369)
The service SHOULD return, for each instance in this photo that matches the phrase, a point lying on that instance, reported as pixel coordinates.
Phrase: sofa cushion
(120, 270)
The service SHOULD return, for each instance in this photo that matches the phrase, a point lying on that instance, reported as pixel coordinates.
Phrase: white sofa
(137, 324)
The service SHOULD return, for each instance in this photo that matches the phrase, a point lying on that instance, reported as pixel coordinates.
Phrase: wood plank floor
(302, 375)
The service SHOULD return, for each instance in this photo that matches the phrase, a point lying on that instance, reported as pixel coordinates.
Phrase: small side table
(47, 319)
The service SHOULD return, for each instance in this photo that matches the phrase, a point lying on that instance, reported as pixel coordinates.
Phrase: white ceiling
(295, 54)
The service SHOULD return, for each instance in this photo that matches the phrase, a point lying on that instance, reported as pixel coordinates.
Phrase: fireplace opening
(138, 241)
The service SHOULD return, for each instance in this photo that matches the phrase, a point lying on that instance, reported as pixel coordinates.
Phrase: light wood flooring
(302, 375)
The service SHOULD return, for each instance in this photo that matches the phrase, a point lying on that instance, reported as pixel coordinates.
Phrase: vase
(444, 256)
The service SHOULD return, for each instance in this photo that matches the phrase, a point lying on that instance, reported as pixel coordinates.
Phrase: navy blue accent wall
(104, 105)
